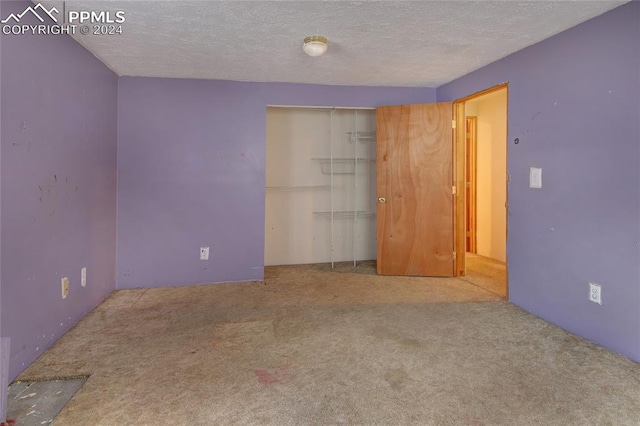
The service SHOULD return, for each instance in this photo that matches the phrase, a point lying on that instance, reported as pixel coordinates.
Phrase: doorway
(482, 139)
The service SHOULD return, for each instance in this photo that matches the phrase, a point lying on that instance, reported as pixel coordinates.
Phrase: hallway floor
(314, 346)
(487, 273)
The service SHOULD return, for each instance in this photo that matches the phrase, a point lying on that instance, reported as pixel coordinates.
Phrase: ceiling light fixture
(315, 45)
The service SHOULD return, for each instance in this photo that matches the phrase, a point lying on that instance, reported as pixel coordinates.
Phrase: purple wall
(58, 186)
(191, 173)
(574, 103)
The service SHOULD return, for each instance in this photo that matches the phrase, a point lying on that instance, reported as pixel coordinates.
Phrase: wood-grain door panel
(414, 177)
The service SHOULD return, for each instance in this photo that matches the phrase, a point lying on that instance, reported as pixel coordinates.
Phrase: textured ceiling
(386, 43)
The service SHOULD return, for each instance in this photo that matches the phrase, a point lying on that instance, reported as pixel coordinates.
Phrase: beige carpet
(487, 273)
(315, 346)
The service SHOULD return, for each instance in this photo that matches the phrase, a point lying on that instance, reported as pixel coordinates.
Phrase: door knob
(382, 200)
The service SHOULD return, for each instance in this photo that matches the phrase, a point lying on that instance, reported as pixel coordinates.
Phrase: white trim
(318, 107)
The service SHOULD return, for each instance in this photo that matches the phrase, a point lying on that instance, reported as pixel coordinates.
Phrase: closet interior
(320, 185)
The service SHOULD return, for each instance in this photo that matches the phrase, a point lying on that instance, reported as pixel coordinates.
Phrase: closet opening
(320, 186)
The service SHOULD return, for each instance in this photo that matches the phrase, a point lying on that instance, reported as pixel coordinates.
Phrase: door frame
(471, 159)
(460, 179)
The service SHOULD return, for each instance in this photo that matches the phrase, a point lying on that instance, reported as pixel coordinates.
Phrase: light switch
(535, 177)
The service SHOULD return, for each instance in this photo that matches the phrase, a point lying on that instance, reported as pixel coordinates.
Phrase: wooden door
(414, 185)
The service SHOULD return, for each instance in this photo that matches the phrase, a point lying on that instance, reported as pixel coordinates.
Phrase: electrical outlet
(204, 253)
(595, 293)
(65, 287)
(83, 277)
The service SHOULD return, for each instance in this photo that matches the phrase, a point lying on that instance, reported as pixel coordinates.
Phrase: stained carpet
(315, 346)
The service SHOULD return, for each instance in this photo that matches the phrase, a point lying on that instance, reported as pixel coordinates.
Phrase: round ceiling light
(315, 45)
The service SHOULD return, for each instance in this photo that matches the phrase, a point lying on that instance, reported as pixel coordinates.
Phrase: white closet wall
(320, 186)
